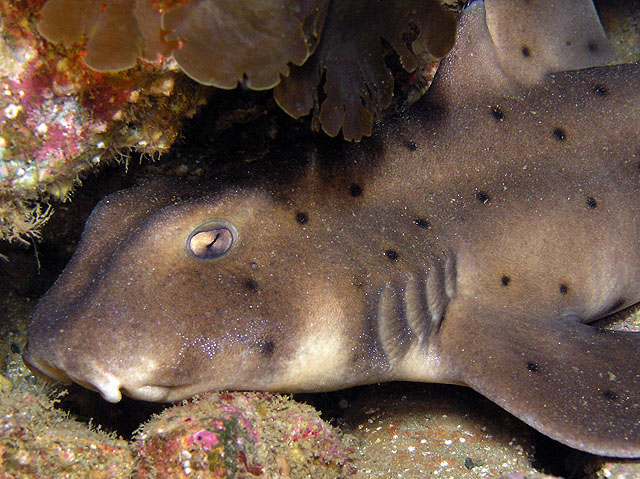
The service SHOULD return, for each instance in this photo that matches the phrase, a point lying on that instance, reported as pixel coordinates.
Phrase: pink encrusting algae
(59, 118)
(241, 435)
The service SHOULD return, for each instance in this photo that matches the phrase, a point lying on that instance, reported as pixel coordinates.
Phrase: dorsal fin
(505, 45)
(535, 37)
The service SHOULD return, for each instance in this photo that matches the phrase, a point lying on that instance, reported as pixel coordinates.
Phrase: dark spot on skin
(591, 202)
(497, 113)
(592, 47)
(526, 52)
(421, 223)
(355, 190)
(267, 348)
(302, 218)
(564, 289)
(505, 280)
(609, 395)
(482, 197)
(601, 90)
(411, 146)
(392, 254)
(15, 349)
(532, 366)
(251, 284)
(559, 134)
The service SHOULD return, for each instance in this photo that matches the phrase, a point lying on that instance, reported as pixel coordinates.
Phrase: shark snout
(42, 368)
(111, 384)
(51, 369)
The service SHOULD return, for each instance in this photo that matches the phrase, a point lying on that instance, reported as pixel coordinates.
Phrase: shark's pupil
(214, 240)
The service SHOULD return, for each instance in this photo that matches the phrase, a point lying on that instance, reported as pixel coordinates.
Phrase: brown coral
(118, 31)
(216, 42)
(264, 43)
(358, 84)
(224, 41)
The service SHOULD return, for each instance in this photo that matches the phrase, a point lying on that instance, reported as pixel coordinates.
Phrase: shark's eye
(211, 241)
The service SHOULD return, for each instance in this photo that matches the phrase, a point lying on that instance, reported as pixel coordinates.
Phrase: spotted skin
(471, 241)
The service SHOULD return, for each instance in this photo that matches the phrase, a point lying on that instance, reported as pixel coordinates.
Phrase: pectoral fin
(573, 382)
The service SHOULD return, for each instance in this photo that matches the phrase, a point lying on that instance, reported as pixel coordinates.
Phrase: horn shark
(472, 240)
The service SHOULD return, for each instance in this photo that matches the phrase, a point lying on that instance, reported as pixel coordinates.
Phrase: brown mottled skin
(469, 241)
